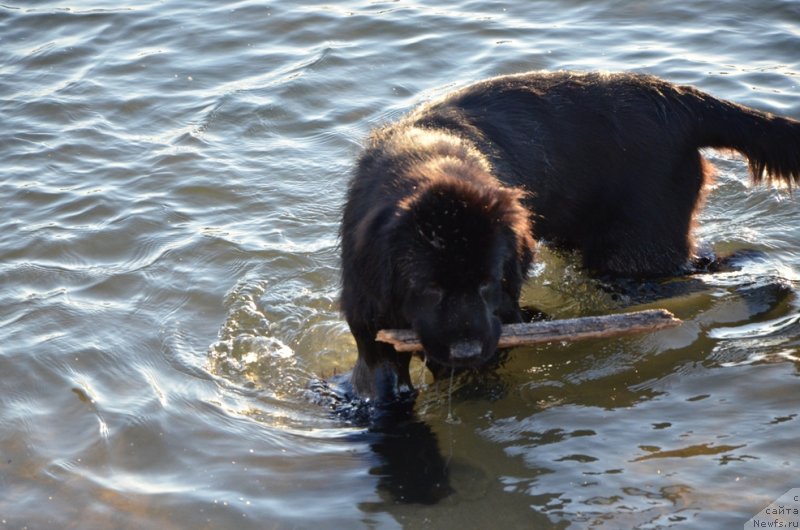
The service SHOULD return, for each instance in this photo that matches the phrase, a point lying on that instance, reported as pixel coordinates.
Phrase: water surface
(172, 175)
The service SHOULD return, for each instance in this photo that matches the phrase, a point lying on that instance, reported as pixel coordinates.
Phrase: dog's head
(463, 252)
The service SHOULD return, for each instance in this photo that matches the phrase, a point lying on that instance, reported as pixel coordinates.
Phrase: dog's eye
(432, 294)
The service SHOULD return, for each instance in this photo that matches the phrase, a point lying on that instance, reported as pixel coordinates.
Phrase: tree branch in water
(570, 329)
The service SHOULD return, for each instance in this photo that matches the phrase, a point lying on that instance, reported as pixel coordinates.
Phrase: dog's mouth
(469, 350)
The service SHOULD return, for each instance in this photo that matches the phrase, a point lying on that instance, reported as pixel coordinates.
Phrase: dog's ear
(370, 226)
(373, 253)
(518, 261)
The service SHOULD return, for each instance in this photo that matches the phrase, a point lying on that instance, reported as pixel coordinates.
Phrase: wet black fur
(441, 214)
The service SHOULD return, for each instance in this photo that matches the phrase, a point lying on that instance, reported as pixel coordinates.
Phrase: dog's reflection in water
(407, 459)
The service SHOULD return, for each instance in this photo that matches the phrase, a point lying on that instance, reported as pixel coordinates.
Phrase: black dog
(441, 215)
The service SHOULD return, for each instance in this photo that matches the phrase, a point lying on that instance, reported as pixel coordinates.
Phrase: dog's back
(611, 161)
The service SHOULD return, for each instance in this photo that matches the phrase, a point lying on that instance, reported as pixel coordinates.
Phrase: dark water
(172, 174)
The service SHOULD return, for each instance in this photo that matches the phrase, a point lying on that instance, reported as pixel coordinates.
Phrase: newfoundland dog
(444, 206)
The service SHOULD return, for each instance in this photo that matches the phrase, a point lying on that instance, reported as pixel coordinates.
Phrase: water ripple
(172, 175)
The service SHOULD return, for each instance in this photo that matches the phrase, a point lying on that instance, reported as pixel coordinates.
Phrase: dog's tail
(770, 143)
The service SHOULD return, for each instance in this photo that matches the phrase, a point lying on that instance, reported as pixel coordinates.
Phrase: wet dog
(445, 205)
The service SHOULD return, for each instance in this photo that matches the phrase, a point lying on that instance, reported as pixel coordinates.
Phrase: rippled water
(172, 174)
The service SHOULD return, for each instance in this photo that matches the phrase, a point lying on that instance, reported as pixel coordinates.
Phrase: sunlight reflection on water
(173, 174)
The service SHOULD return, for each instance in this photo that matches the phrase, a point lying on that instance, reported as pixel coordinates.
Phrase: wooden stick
(570, 329)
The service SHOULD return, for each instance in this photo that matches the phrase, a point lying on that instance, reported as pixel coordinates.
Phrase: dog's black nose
(465, 350)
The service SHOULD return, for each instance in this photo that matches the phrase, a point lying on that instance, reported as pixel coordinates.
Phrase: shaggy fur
(439, 225)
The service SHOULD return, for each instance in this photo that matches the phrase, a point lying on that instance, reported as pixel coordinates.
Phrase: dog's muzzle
(465, 350)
